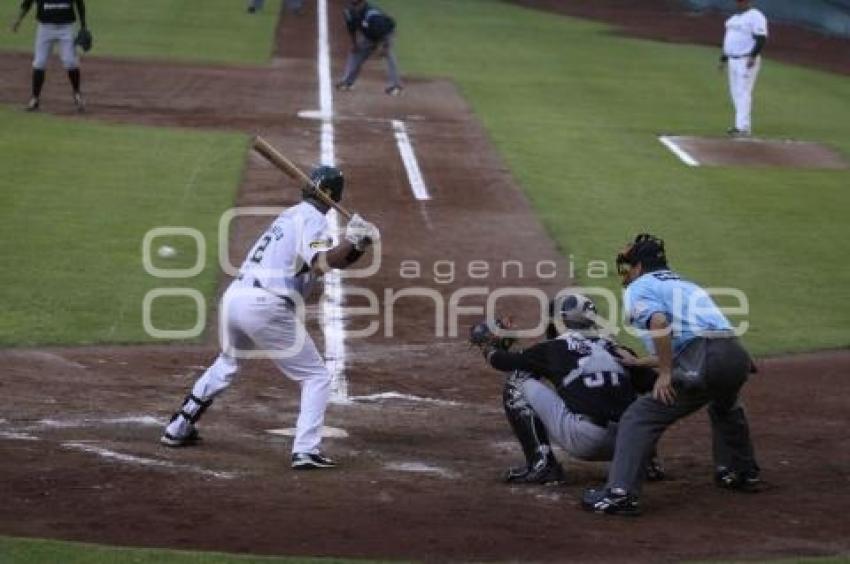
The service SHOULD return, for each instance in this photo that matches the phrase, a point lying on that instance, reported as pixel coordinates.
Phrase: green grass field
(216, 31)
(575, 111)
(73, 219)
(32, 551)
(35, 551)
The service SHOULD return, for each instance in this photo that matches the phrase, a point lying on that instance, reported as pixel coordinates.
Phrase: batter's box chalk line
(131, 459)
(388, 396)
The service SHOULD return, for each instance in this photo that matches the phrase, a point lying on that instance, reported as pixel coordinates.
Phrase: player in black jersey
(56, 19)
(589, 392)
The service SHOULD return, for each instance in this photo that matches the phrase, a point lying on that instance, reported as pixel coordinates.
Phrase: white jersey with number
(262, 320)
(280, 260)
(740, 29)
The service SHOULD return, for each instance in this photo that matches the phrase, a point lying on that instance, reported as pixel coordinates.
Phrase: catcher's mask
(647, 251)
(329, 180)
(575, 311)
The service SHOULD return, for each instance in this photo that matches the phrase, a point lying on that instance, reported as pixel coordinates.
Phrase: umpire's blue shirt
(689, 309)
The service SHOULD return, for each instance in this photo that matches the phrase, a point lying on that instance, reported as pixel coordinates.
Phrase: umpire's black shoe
(613, 501)
(747, 481)
(311, 461)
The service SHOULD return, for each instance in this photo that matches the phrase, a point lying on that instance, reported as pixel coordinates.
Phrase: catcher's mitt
(84, 39)
(481, 335)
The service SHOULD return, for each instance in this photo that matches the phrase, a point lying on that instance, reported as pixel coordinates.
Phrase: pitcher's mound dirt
(709, 151)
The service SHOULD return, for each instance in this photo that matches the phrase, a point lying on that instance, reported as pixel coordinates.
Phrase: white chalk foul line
(333, 326)
(683, 155)
(144, 461)
(411, 165)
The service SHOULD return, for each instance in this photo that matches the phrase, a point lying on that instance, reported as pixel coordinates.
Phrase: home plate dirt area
(426, 437)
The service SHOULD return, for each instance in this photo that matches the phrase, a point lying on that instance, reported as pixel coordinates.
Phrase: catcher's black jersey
(53, 11)
(584, 371)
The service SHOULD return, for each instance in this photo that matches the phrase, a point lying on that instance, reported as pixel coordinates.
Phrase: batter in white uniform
(746, 34)
(56, 20)
(259, 315)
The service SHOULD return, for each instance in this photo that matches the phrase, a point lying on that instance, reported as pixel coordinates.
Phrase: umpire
(370, 29)
(700, 362)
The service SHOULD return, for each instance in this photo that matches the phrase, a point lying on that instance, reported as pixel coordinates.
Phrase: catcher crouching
(588, 391)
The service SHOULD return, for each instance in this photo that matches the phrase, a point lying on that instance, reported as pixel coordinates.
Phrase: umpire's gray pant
(708, 371)
(362, 51)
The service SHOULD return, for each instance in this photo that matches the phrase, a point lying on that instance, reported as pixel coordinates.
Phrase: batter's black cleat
(311, 461)
(170, 440)
(32, 105)
(654, 470)
(343, 86)
(613, 501)
(394, 90)
(747, 481)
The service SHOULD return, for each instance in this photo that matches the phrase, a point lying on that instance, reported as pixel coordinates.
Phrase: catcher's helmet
(329, 180)
(646, 250)
(576, 311)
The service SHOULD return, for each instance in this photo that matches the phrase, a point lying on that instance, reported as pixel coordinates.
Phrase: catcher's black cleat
(612, 501)
(170, 440)
(311, 461)
(654, 470)
(544, 472)
(748, 481)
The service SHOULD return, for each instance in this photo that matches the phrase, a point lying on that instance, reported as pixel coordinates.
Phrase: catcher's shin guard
(527, 427)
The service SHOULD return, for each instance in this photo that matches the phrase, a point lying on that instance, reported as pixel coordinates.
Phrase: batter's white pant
(742, 81)
(49, 34)
(255, 321)
(575, 433)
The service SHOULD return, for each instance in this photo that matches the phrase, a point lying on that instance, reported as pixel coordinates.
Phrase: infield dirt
(418, 480)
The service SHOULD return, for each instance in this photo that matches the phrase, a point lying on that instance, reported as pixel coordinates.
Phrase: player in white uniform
(260, 310)
(746, 34)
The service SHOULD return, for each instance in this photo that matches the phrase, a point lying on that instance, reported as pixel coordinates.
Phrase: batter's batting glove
(361, 233)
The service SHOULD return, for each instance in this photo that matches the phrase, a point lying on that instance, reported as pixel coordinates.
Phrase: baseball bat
(292, 171)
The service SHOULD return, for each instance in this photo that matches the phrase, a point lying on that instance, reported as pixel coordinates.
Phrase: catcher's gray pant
(722, 365)
(49, 34)
(257, 323)
(575, 433)
(362, 51)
